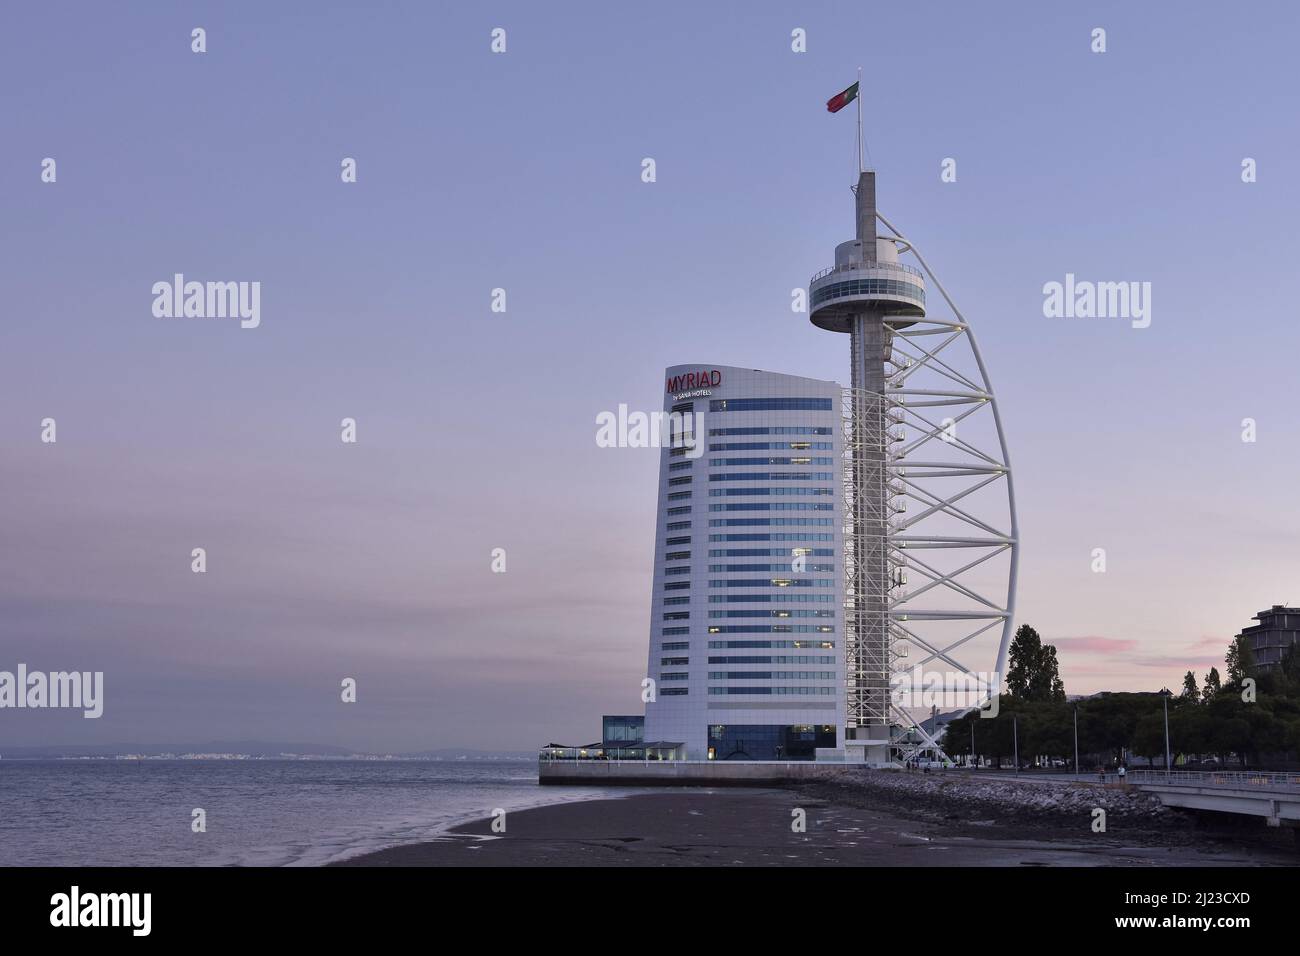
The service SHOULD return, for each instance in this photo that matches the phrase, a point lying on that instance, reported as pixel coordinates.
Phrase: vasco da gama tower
(833, 564)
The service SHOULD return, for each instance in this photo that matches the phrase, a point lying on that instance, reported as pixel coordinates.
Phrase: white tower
(904, 474)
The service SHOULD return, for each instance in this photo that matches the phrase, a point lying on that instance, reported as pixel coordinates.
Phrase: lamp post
(972, 743)
(1015, 741)
(1165, 693)
(1076, 740)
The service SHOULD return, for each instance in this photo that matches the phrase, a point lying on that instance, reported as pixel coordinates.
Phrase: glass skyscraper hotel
(746, 649)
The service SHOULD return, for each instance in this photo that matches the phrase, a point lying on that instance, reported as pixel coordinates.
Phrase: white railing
(1238, 779)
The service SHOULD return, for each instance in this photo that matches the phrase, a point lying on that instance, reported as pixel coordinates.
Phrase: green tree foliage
(1206, 726)
(1240, 660)
(1034, 673)
(1212, 685)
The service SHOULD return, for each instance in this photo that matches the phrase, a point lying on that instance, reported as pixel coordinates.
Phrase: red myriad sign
(702, 379)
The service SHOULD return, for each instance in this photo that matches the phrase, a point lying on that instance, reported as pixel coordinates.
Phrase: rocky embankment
(998, 798)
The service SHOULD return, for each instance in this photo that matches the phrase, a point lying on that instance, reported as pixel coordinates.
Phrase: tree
(1189, 687)
(1240, 659)
(1212, 685)
(1034, 674)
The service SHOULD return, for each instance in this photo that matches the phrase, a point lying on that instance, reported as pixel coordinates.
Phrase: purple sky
(476, 429)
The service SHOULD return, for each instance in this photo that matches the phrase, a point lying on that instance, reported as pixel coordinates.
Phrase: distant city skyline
(476, 429)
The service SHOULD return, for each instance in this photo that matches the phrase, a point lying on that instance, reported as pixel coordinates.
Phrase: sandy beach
(845, 826)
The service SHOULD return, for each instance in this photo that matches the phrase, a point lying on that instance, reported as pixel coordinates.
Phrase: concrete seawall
(677, 773)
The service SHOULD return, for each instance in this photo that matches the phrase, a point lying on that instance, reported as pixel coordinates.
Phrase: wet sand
(732, 827)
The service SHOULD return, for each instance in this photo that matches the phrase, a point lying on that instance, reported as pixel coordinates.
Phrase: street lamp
(1015, 738)
(1166, 693)
(1076, 740)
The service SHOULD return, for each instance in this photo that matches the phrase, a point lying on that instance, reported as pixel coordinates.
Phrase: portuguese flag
(841, 100)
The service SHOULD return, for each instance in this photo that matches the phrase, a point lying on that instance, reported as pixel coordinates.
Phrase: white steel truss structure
(950, 534)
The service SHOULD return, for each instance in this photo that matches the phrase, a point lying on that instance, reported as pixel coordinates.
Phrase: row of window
(774, 506)
(674, 661)
(680, 465)
(676, 675)
(771, 445)
(867, 287)
(675, 646)
(773, 460)
(677, 615)
(775, 659)
(771, 629)
(674, 692)
(678, 525)
(777, 536)
(777, 691)
(686, 599)
(674, 631)
(683, 539)
(737, 492)
(679, 510)
(772, 598)
(763, 645)
(771, 675)
(798, 612)
(771, 430)
(770, 522)
(770, 405)
(784, 566)
(767, 476)
(769, 552)
(771, 582)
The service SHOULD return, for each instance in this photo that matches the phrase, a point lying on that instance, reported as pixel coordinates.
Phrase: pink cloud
(1093, 645)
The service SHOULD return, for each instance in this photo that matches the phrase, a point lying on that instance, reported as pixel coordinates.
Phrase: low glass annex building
(745, 651)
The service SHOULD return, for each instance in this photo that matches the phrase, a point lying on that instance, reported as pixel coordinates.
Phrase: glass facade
(768, 741)
(772, 488)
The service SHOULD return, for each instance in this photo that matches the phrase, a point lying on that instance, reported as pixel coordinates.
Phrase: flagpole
(859, 99)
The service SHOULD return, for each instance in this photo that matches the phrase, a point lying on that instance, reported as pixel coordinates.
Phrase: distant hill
(251, 748)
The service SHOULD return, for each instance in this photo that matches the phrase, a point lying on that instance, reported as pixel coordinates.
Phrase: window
(778, 430)
(771, 629)
(677, 615)
(684, 480)
(773, 460)
(770, 404)
(677, 556)
(674, 661)
(682, 540)
(674, 692)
